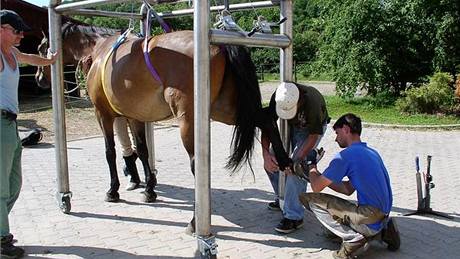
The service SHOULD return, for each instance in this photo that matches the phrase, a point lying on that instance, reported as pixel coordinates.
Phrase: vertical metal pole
(149, 128)
(201, 64)
(286, 58)
(143, 12)
(57, 89)
(418, 179)
(428, 184)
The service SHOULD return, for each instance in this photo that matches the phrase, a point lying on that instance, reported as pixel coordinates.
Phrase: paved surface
(241, 221)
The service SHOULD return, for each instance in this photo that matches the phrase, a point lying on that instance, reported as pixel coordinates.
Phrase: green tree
(447, 50)
(375, 45)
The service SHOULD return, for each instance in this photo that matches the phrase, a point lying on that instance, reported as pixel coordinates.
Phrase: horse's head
(78, 41)
(43, 74)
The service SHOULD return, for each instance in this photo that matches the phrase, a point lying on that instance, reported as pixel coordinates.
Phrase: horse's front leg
(142, 151)
(106, 124)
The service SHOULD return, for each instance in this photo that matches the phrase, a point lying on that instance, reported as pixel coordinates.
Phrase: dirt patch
(80, 120)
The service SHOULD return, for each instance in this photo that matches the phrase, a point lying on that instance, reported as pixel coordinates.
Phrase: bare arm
(319, 182)
(33, 59)
(344, 187)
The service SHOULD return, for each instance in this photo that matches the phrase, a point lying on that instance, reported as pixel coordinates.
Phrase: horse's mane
(88, 30)
(78, 37)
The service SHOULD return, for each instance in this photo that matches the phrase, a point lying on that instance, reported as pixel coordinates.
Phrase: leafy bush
(434, 97)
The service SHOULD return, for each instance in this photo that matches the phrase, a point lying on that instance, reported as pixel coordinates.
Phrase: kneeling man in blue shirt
(357, 223)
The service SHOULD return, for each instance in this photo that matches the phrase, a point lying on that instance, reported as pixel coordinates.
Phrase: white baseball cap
(286, 98)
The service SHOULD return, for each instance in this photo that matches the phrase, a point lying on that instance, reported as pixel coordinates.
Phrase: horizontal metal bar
(92, 12)
(166, 15)
(232, 7)
(92, 3)
(85, 4)
(256, 40)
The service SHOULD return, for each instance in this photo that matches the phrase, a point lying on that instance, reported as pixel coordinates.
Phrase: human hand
(52, 56)
(270, 163)
(288, 171)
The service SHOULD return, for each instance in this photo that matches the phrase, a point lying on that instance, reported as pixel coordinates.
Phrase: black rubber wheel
(65, 205)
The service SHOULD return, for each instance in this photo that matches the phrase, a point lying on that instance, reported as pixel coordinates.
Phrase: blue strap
(122, 38)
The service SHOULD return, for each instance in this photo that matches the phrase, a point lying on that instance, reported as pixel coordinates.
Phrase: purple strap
(152, 70)
(148, 62)
(165, 26)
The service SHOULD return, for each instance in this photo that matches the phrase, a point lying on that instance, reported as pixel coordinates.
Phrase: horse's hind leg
(187, 136)
(106, 124)
(138, 130)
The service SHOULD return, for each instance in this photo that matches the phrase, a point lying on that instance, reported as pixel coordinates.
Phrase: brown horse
(77, 46)
(123, 86)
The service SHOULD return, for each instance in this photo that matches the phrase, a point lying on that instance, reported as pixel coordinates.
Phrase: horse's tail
(248, 103)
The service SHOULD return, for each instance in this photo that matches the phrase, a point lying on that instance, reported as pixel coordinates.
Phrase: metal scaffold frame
(203, 37)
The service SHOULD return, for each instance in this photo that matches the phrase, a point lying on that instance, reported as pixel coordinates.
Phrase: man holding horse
(366, 173)
(305, 109)
(11, 32)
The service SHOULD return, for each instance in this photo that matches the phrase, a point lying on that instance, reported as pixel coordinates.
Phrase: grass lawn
(387, 115)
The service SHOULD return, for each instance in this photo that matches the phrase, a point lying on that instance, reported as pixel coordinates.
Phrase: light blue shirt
(9, 83)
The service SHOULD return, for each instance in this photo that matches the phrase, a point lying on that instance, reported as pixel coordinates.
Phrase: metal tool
(423, 206)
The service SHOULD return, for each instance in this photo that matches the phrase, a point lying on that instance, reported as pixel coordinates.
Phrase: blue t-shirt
(365, 169)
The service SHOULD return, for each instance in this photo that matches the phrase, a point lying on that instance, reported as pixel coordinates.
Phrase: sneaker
(132, 186)
(289, 225)
(8, 250)
(7, 239)
(390, 235)
(275, 206)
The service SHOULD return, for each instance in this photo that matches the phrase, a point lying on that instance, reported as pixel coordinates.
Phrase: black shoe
(289, 225)
(130, 165)
(130, 169)
(8, 250)
(390, 235)
(275, 206)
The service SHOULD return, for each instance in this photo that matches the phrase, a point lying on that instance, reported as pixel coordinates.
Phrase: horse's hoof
(149, 197)
(112, 197)
(132, 186)
(190, 230)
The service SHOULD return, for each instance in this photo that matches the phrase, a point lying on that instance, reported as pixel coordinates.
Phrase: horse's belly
(145, 107)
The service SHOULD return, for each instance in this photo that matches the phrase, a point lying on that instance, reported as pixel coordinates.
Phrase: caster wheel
(65, 205)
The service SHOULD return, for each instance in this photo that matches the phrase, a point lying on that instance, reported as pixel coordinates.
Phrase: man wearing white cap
(305, 110)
